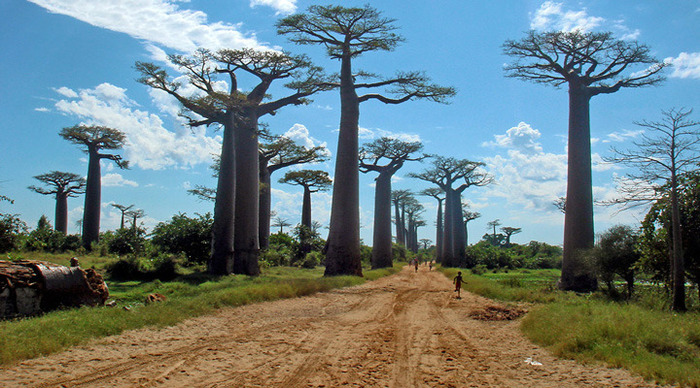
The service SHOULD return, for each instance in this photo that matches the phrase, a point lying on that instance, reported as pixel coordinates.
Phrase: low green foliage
(189, 296)
(642, 337)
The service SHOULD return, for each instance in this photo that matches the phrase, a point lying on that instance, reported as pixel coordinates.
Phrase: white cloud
(371, 134)
(149, 145)
(159, 21)
(117, 180)
(685, 65)
(623, 135)
(284, 7)
(300, 134)
(523, 138)
(42, 109)
(66, 92)
(552, 16)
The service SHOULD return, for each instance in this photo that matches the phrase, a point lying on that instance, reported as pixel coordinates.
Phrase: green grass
(189, 296)
(656, 344)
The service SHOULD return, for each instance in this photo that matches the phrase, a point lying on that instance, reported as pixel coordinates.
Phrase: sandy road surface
(406, 330)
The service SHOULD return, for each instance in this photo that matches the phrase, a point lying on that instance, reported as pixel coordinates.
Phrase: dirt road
(407, 330)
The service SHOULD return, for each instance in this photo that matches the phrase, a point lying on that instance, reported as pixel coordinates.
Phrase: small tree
(438, 194)
(616, 253)
(347, 33)
(468, 217)
(508, 231)
(63, 185)
(281, 223)
(188, 235)
(660, 159)
(312, 181)
(95, 139)
(590, 64)
(385, 156)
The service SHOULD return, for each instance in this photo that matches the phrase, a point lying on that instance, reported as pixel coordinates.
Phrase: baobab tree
(312, 181)
(426, 243)
(238, 186)
(123, 209)
(278, 153)
(398, 198)
(281, 222)
(438, 194)
(385, 156)
(667, 151)
(445, 173)
(492, 225)
(347, 33)
(590, 64)
(508, 231)
(468, 216)
(413, 210)
(95, 139)
(134, 215)
(63, 185)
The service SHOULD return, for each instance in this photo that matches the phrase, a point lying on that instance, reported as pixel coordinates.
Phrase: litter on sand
(530, 361)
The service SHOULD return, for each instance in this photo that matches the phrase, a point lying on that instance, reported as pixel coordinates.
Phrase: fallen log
(30, 287)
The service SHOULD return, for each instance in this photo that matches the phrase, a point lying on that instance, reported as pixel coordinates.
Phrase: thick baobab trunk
(678, 265)
(93, 198)
(459, 240)
(439, 234)
(221, 259)
(448, 254)
(61, 212)
(409, 235)
(578, 220)
(265, 206)
(246, 245)
(343, 247)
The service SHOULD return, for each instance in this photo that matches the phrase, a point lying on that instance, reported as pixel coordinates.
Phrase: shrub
(182, 234)
(616, 254)
(163, 267)
(311, 260)
(127, 241)
(276, 256)
(12, 230)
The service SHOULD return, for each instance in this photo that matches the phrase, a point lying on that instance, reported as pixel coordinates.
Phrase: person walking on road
(458, 284)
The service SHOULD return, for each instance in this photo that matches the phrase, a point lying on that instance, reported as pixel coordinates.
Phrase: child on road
(458, 284)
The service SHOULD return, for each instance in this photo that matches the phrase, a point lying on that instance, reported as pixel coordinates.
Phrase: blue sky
(66, 62)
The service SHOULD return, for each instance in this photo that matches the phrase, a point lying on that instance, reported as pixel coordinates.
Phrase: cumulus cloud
(300, 134)
(623, 135)
(117, 180)
(149, 144)
(522, 137)
(66, 92)
(552, 16)
(284, 7)
(685, 65)
(160, 21)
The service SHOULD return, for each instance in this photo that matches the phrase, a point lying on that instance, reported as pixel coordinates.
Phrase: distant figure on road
(416, 262)
(458, 284)
(430, 266)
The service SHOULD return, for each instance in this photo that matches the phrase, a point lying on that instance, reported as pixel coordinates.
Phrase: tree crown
(65, 183)
(95, 138)
(316, 179)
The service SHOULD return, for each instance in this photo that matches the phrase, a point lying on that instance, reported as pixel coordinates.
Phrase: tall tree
(385, 156)
(492, 225)
(669, 149)
(276, 154)
(348, 33)
(95, 139)
(590, 64)
(468, 216)
(123, 209)
(413, 210)
(134, 215)
(238, 112)
(509, 231)
(398, 198)
(438, 194)
(445, 173)
(312, 181)
(63, 185)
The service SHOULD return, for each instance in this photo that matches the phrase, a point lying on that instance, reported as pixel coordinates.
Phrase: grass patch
(188, 296)
(656, 344)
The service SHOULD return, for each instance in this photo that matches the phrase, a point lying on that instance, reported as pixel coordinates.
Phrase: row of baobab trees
(589, 64)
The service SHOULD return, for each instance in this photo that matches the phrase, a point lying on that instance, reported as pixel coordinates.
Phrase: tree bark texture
(306, 208)
(246, 245)
(448, 254)
(578, 220)
(399, 227)
(61, 212)
(439, 234)
(265, 208)
(221, 259)
(343, 253)
(93, 198)
(678, 267)
(459, 240)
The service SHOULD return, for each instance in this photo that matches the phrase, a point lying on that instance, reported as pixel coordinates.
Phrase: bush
(127, 241)
(131, 268)
(182, 234)
(12, 230)
(616, 253)
(277, 256)
(311, 260)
